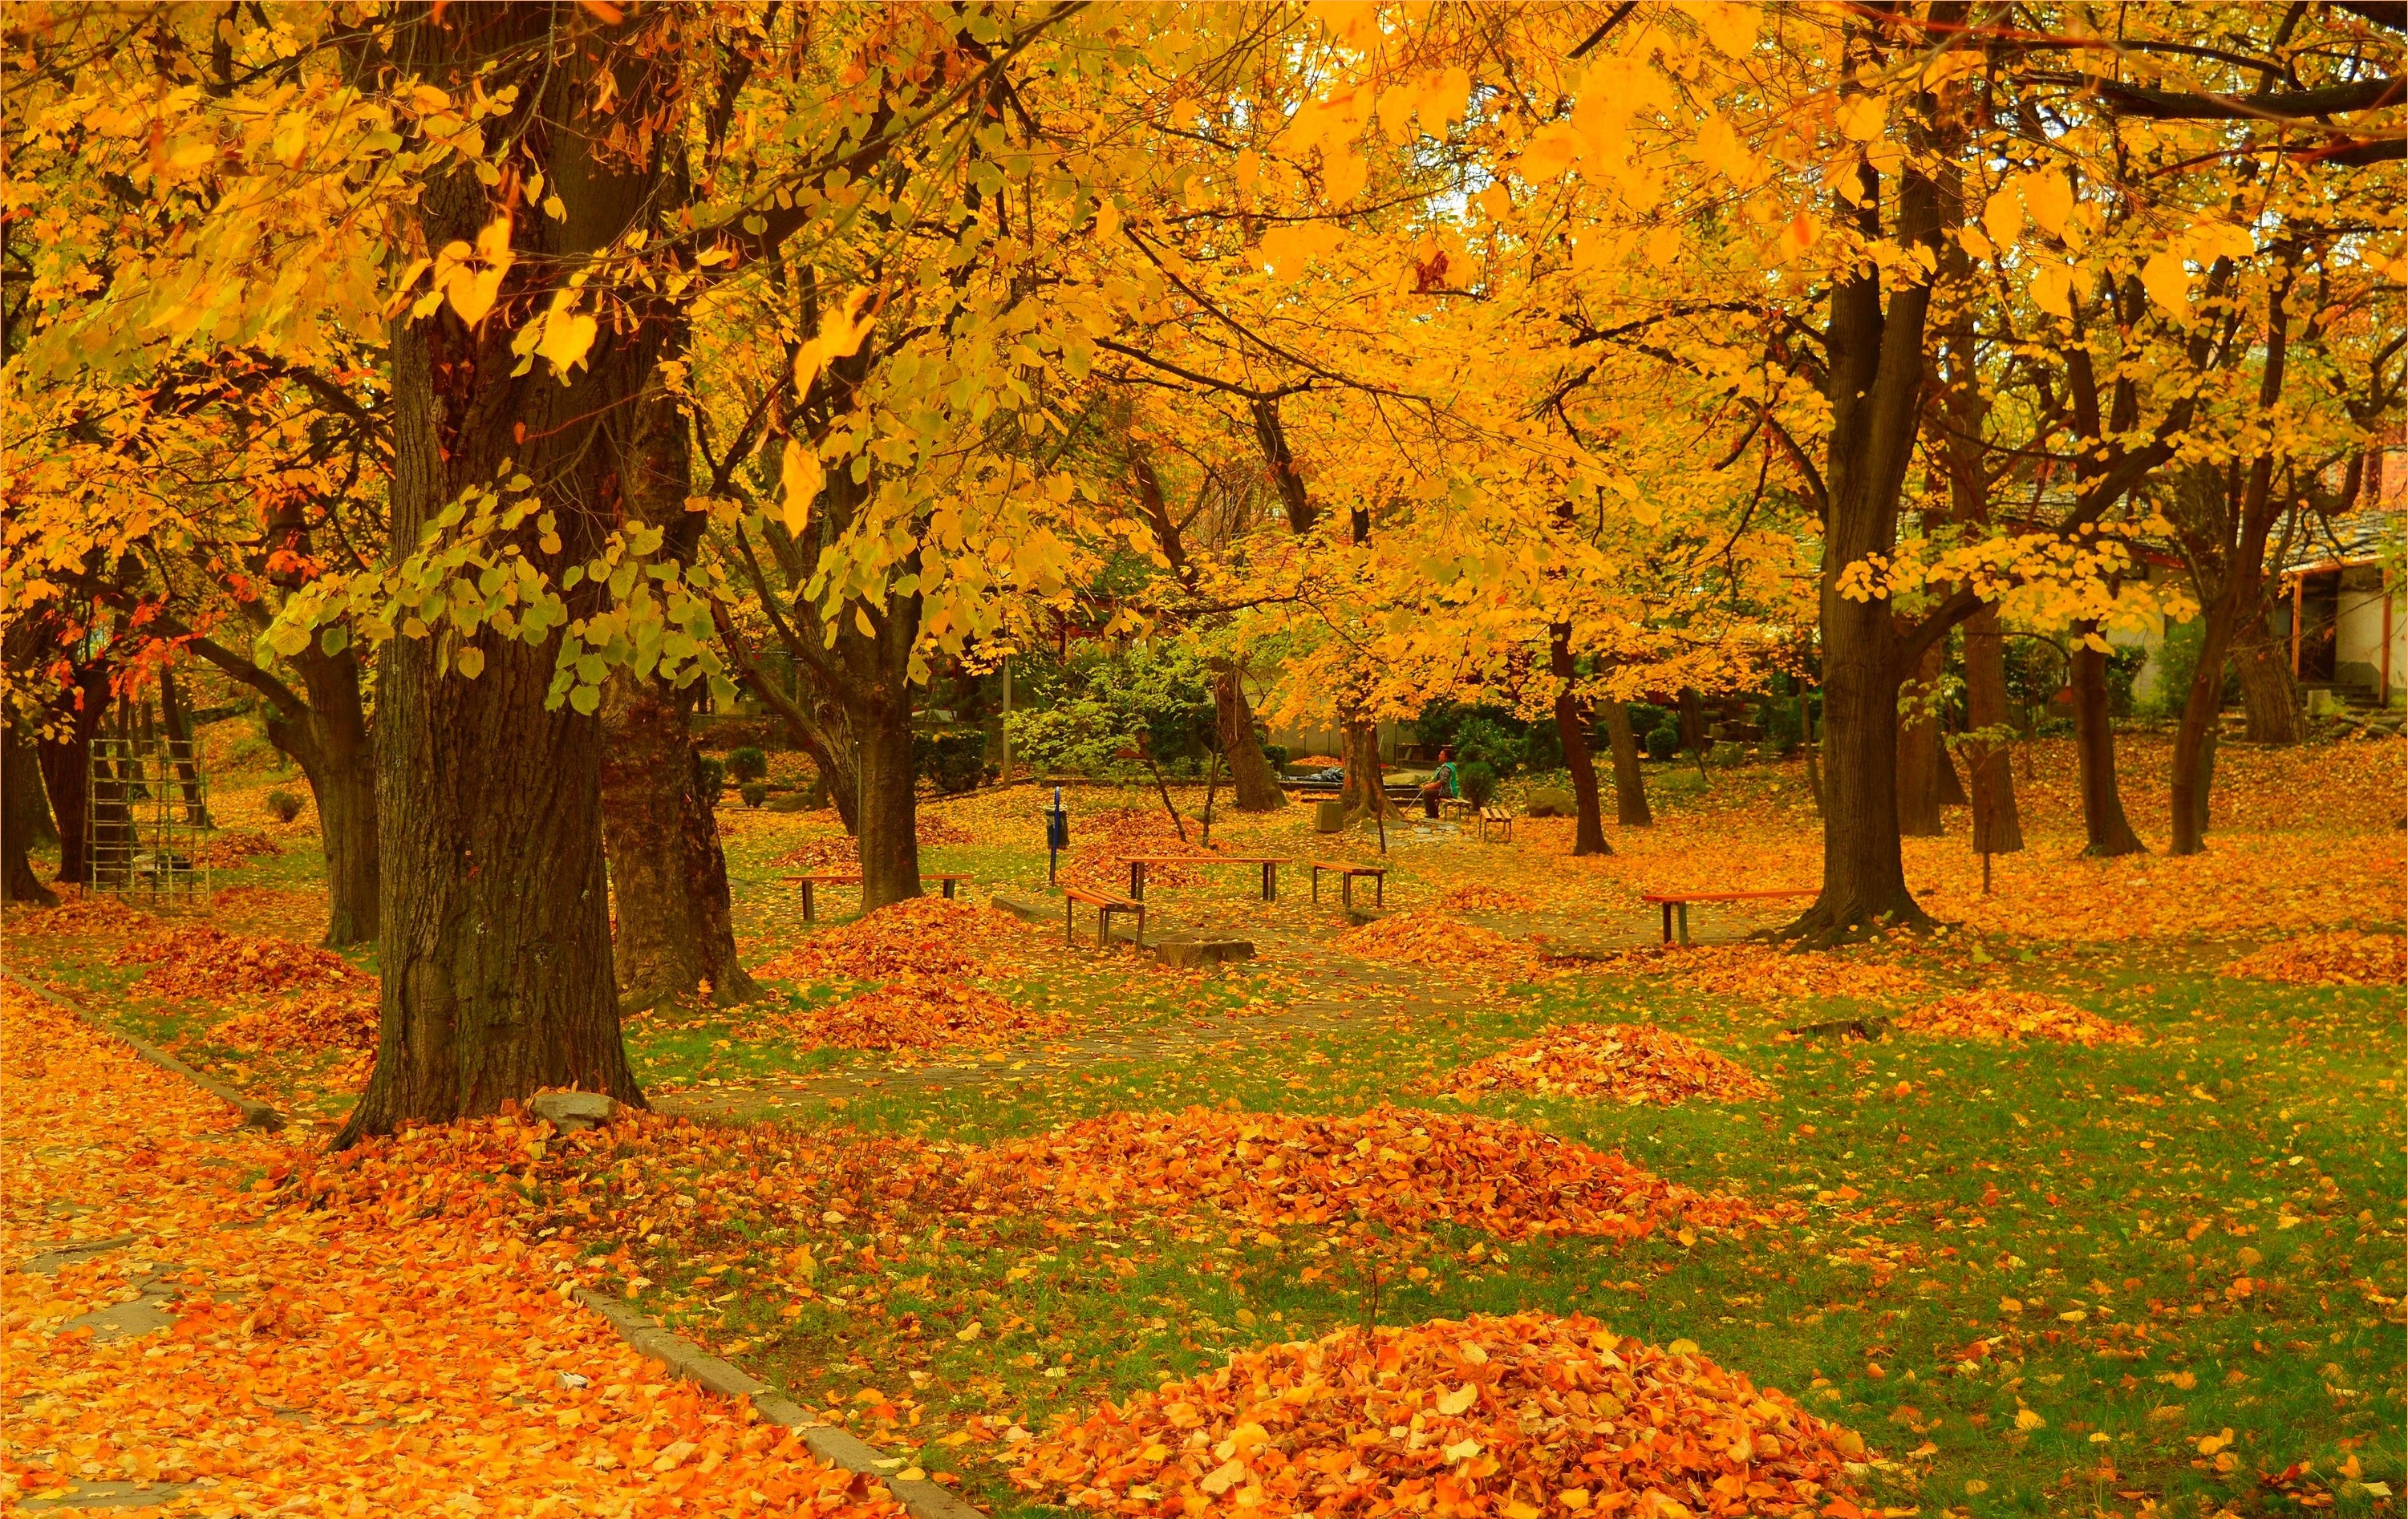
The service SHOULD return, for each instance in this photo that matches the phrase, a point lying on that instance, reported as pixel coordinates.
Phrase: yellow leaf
(1343, 174)
(472, 291)
(800, 477)
(1459, 1399)
(469, 661)
(2027, 1419)
(1463, 1450)
(2048, 198)
(1224, 1477)
(566, 337)
(2052, 290)
(1863, 117)
(1574, 1498)
(1108, 221)
(2167, 281)
(554, 208)
(1444, 101)
(2003, 216)
(1498, 202)
(1681, 1347)
(861, 620)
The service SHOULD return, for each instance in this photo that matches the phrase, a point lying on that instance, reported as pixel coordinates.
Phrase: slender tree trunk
(2270, 696)
(1629, 783)
(1946, 782)
(1693, 727)
(1919, 756)
(328, 736)
(67, 771)
(1571, 729)
(2094, 740)
(890, 844)
(1998, 825)
(1250, 769)
(2194, 738)
(20, 799)
(669, 874)
(1363, 793)
(184, 753)
(1813, 763)
(495, 942)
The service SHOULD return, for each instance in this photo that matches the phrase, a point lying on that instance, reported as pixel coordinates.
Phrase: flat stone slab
(569, 1111)
(47, 1259)
(82, 1494)
(131, 1321)
(1183, 951)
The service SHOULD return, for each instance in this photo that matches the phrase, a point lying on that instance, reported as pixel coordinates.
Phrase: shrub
(1479, 783)
(1077, 738)
(711, 782)
(1664, 741)
(1480, 741)
(790, 801)
(754, 793)
(954, 759)
(1277, 756)
(285, 805)
(1646, 718)
(747, 764)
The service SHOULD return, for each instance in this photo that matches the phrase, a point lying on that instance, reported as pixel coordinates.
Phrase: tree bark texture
(1571, 729)
(67, 769)
(2270, 695)
(20, 799)
(1998, 824)
(1693, 727)
(2094, 740)
(668, 875)
(1362, 793)
(1630, 781)
(1250, 770)
(177, 719)
(2202, 710)
(327, 736)
(890, 844)
(494, 906)
(1920, 756)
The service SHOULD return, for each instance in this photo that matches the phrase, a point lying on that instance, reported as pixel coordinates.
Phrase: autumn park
(1623, 758)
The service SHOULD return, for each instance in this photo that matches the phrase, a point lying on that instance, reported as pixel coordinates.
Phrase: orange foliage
(312, 1021)
(1507, 1415)
(1764, 974)
(1629, 1063)
(2342, 959)
(1099, 840)
(926, 936)
(1479, 896)
(1434, 943)
(389, 1292)
(1391, 1165)
(1995, 1015)
(233, 848)
(919, 1012)
(81, 915)
(202, 962)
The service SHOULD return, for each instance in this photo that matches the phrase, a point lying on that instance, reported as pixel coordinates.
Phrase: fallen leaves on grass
(309, 1021)
(389, 1298)
(1761, 973)
(1629, 1063)
(234, 847)
(1101, 841)
(1399, 1166)
(81, 915)
(2340, 959)
(1436, 943)
(919, 1012)
(1513, 1416)
(197, 961)
(1995, 1015)
(923, 935)
(1479, 896)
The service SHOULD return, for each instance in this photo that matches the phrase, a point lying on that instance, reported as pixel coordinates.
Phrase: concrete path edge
(255, 1114)
(835, 1446)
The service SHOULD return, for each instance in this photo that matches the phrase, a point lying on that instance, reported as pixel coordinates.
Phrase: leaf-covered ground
(2117, 1230)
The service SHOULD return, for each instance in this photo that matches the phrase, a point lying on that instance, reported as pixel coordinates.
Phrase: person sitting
(1440, 784)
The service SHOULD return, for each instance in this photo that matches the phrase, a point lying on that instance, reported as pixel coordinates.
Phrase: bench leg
(1069, 910)
(1685, 925)
(1137, 882)
(949, 888)
(1270, 882)
(1346, 893)
(1668, 923)
(1380, 890)
(1140, 927)
(1316, 884)
(807, 901)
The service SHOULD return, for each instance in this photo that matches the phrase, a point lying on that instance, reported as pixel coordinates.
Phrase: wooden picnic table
(853, 878)
(1137, 864)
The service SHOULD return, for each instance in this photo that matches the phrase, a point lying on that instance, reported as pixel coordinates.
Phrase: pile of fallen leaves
(2338, 959)
(1518, 1416)
(836, 852)
(919, 1012)
(1995, 1015)
(309, 1021)
(1480, 896)
(1629, 1063)
(228, 850)
(923, 935)
(931, 829)
(79, 915)
(1761, 973)
(1393, 1166)
(198, 961)
(1101, 840)
(1436, 943)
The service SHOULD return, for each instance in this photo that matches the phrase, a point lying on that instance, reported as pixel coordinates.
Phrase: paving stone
(569, 1111)
(104, 1494)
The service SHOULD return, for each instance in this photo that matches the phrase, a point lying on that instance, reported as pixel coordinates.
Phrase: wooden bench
(853, 878)
(1105, 903)
(1137, 864)
(1457, 806)
(1497, 818)
(1672, 902)
(1346, 874)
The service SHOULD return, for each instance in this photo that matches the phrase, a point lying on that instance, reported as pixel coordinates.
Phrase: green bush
(790, 801)
(711, 782)
(1479, 783)
(285, 805)
(2123, 668)
(747, 764)
(1078, 739)
(1478, 741)
(754, 793)
(2178, 663)
(1663, 740)
(1645, 718)
(952, 759)
(1277, 756)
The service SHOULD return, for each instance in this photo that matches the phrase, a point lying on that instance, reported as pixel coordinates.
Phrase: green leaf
(586, 699)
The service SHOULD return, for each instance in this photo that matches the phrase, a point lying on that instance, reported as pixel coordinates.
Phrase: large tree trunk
(1630, 784)
(67, 770)
(2202, 706)
(1998, 825)
(495, 913)
(669, 874)
(1920, 759)
(889, 815)
(1362, 793)
(2270, 696)
(20, 799)
(2094, 740)
(1571, 728)
(1250, 769)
